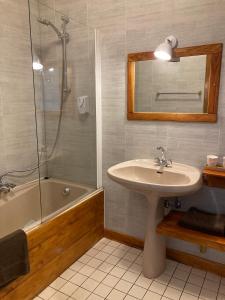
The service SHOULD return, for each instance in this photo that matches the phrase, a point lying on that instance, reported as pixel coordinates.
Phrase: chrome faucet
(162, 161)
(5, 187)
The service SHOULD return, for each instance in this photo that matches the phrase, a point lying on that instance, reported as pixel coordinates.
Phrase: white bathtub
(22, 207)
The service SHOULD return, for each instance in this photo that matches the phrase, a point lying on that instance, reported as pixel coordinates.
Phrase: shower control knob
(66, 191)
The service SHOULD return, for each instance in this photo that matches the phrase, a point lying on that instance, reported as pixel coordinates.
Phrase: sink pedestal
(155, 245)
(141, 175)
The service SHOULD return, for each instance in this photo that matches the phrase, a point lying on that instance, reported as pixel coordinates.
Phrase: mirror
(162, 86)
(184, 89)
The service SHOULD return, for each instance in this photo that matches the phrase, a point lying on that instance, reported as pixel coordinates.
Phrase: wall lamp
(165, 50)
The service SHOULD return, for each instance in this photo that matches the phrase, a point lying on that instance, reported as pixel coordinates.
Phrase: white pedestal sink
(141, 176)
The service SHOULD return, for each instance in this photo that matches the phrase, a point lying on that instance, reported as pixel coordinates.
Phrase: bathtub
(71, 225)
(22, 208)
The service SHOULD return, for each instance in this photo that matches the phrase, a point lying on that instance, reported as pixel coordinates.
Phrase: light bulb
(162, 55)
(37, 66)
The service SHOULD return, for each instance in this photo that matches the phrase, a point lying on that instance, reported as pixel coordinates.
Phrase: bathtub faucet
(5, 187)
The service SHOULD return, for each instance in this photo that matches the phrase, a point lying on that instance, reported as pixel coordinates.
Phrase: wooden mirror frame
(213, 53)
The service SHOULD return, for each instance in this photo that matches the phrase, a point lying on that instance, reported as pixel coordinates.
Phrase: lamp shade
(163, 51)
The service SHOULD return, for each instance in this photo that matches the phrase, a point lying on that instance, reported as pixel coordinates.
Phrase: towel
(14, 259)
(197, 219)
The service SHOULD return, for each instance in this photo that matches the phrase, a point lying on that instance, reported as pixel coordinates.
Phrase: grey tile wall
(130, 26)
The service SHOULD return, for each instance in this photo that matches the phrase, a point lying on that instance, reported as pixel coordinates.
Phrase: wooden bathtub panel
(56, 244)
(42, 253)
(38, 281)
(50, 228)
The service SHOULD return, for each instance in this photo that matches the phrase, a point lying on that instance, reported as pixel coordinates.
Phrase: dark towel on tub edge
(14, 257)
(199, 220)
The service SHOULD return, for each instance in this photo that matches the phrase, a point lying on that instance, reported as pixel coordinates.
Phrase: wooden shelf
(214, 177)
(169, 227)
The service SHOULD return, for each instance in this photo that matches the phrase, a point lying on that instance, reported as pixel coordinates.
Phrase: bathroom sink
(142, 175)
(146, 177)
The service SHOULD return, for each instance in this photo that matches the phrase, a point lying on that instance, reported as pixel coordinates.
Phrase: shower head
(49, 23)
(43, 21)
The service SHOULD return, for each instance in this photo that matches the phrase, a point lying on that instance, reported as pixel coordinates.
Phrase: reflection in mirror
(174, 86)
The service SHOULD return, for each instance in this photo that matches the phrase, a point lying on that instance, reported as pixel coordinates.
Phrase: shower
(64, 37)
(65, 90)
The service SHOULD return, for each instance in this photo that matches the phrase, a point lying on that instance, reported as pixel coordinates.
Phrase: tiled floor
(112, 271)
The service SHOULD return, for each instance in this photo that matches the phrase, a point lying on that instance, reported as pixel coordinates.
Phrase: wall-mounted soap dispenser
(83, 105)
